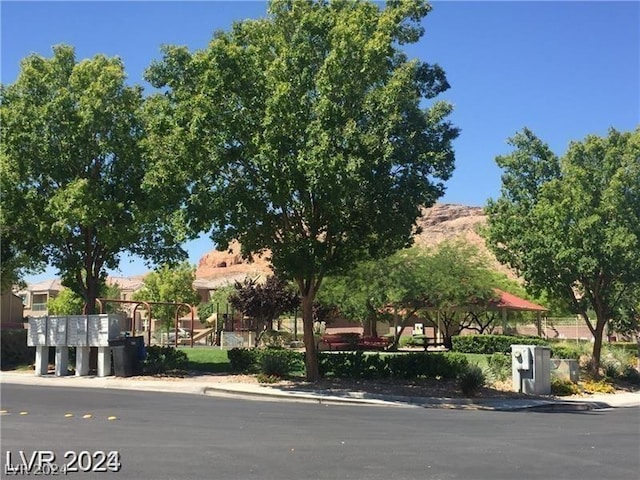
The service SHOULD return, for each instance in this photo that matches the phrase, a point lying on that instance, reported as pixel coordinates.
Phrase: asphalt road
(173, 436)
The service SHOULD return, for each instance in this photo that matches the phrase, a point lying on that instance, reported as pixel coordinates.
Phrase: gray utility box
(531, 369)
(565, 369)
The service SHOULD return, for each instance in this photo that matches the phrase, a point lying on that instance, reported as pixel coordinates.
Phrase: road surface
(178, 436)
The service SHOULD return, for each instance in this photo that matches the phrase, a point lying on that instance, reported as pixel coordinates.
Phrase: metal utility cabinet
(531, 369)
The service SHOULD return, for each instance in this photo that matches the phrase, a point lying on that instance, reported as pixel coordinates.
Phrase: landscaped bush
(471, 380)
(417, 341)
(279, 362)
(242, 360)
(562, 388)
(597, 386)
(164, 359)
(270, 361)
(407, 366)
(567, 351)
(13, 349)
(615, 363)
(275, 338)
(350, 365)
(631, 375)
(488, 344)
(499, 366)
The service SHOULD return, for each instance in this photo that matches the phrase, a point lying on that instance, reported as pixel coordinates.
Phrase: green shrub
(242, 360)
(611, 369)
(567, 351)
(164, 359)
(499, 366)
(406, 366)
(489, 344)
(13, 349)
(562, 388)
(418, 341)
(631, 375)
(279, 362)
(270, 361)
(344, 365)
(614, 362)
(471, 380)
(275, 338)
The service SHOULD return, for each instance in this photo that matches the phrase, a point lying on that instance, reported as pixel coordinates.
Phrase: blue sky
(563, 69)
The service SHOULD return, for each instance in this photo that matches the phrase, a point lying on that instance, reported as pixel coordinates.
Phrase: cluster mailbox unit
(79, 331)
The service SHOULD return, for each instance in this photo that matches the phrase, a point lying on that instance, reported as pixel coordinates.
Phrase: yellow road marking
(24, 413)
(68, 415)
(88, 415)
(112, 418)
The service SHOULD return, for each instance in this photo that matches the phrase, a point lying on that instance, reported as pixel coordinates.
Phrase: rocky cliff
(452, 222)
(230, 264)
(438, 223)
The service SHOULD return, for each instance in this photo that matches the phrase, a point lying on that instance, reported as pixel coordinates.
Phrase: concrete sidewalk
(221, 385)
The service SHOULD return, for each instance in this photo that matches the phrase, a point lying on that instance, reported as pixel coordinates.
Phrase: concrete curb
(260, 392)
(403, 401)
(295, 397)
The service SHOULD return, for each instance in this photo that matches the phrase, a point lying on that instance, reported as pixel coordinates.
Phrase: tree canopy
(169, 283)
(570, 225)
(71, 143)
(306, 134)
(413, 281)
(67, 302)
(264, 302)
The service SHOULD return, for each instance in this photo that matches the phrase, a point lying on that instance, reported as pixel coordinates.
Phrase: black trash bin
(126, 356)
(140, 354)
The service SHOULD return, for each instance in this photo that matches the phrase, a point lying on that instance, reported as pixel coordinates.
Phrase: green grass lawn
(207, 359)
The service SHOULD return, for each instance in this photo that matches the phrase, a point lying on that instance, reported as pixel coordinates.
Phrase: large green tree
(169, 283)
(390, 289)
(20, 254)
(459, 284)
(71, 141)
(570, 225)
(306, 134)
(67, 302)
(452, 279)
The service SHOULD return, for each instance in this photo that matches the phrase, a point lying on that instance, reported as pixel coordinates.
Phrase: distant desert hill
(226, 266)
(441, 222)
(445, 221)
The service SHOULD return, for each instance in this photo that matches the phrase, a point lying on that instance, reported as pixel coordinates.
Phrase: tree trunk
(395, 343)
(601, 322)
(311, 354)
(91, 295)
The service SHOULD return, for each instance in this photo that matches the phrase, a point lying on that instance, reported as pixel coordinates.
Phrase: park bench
(339, 341)
(373, 343)
(352, 341)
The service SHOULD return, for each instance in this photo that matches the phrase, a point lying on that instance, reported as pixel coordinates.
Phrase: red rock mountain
(440, 222)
